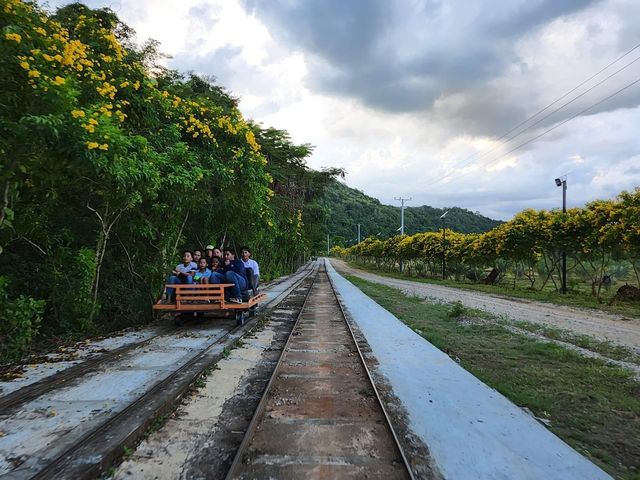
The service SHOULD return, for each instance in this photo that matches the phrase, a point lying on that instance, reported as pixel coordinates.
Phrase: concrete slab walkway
(473, 432)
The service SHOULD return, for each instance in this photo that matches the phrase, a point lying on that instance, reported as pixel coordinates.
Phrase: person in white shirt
(252, 264)
(183, 273)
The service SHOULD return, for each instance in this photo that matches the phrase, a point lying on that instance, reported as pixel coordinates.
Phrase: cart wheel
(252, 311)
(240, 316)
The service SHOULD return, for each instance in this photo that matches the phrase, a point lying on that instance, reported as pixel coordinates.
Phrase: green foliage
(111, 164)
(20, 320)
(600, 240)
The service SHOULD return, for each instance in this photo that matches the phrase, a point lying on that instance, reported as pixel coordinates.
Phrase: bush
(457, 310)
(20, 320)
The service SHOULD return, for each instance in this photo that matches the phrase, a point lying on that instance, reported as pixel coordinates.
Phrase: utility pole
(402, 200)
(444, 243)
(358, 233)
(327, 244)
(564, 252)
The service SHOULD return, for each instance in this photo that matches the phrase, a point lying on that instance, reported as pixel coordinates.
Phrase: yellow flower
(93, 121)
(136, 85)
(13, 36)
(40, 30)
(34, 73)
(77, 113)
(24, 65)
(104, 146)
(92, 145)
(124, 84)
(58, 80)
(165, 94)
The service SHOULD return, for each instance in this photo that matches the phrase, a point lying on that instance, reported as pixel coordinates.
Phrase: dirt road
(599, 325)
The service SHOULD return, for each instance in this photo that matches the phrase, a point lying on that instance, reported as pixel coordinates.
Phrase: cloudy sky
(414, 98)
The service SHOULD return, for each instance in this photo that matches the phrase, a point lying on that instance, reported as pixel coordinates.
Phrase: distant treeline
(112, 164)
(602, 235)
(349, 207)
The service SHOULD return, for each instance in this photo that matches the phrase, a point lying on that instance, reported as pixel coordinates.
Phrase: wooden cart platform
(207, 298)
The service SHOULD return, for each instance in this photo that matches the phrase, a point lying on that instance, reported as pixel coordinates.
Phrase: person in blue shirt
(183, 273)
(234, 273)
(203, 274)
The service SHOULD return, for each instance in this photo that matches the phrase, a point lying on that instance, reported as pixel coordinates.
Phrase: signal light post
(562, 182)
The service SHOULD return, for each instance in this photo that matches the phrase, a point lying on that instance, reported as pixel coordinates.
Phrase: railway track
(14, 400)
(85, 452)
(320, 415)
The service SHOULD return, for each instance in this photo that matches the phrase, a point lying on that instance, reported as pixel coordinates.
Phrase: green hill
(347, 207)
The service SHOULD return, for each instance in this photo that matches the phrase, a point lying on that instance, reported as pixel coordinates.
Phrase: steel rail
(56, 468)
(32, 391)
(248, 436)
(371, 381)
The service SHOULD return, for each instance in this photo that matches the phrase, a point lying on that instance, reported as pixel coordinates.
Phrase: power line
(573, 90)
(547, 116)
(565, 104)
(566, 120)
(484, 154)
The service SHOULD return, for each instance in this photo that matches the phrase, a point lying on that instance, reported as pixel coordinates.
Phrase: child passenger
(217, 272)
(183, 273)
(203, 274)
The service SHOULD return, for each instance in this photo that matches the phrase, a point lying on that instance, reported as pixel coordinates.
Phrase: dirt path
(599, 325)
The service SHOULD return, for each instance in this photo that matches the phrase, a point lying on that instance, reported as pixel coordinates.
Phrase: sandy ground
(599, 325)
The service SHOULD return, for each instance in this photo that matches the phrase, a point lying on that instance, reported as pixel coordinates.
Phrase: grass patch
(593, 406)
(607, 349)
(572, 299)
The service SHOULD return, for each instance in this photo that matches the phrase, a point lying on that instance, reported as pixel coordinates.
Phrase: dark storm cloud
(401, 56)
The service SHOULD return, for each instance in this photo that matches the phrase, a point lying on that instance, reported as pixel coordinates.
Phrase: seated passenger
(183, 273)
(233, 273)
(203, 274)
(252, 264)
(197, 255)
(217, 271)
(208, 253)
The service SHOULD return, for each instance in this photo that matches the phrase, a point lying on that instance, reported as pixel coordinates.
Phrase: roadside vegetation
(523, 257)
(112, 164)
(592, 405)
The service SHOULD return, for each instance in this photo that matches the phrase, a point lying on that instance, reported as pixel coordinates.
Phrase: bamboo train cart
(196, 299)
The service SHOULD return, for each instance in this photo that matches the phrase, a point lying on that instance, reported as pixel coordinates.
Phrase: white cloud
(442, 153)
